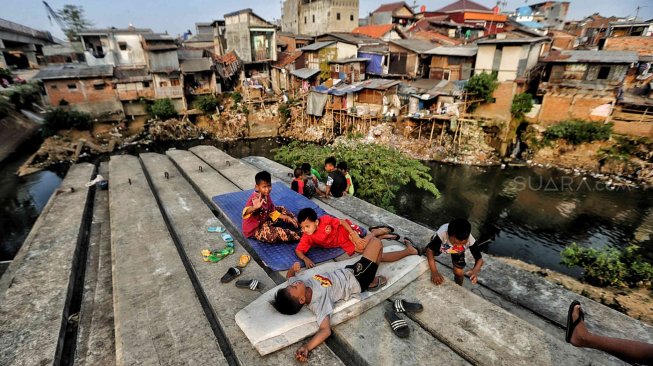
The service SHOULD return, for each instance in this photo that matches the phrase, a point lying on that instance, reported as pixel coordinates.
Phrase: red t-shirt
(329, 234)
(252, 221)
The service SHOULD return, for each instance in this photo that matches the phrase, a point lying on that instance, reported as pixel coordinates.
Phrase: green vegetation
(163, 109)
(521, 104)
(74, 21)
(24, 95)
(482, 86)
(206, 103)
(377, 171)
(237, 97)
(60, 119)
(578, 131)
(626, 148)
(610, 267)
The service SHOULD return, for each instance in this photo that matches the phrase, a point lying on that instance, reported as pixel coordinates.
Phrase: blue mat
(278, 257)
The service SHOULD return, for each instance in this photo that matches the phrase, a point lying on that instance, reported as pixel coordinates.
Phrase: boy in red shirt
(331, 232)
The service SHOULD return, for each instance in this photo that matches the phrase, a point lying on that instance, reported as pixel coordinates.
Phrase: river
(531, 213)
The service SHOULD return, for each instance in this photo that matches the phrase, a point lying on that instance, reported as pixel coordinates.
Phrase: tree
(521, 104)
(60, 119)
(482, 86)
(163, 109)
(75, 21)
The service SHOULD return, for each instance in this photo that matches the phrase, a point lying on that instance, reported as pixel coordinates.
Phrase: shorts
(364, 271)
(458, 260)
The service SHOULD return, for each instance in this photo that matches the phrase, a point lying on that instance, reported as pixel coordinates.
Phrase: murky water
(531, 213)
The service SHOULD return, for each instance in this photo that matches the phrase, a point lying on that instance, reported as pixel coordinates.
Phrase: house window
(351, 17)
(499, 25)
(337, 16)
(446, 75)
(313, 18)
(304, 20)
(163, 84)
(146, 84)
(174, 82)
(53, 87)
(72, 86)
(99, 86)
(123, 46)
(604, 71)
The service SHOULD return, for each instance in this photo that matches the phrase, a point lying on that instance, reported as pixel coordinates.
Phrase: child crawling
(321, 291)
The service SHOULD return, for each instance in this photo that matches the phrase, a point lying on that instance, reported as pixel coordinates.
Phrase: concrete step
(38, 286)
(373, 215)
(158, 317)
(189, 218)
(352, 337)
(95, 337)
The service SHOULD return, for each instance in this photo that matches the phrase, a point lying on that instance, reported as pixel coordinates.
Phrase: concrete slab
(95, 337)
(189, 217)
(34, 305)
(236, 171)
(158, 317)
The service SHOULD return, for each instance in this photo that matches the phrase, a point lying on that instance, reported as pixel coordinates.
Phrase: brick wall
(644, 45)
(560, 107)
(79, 91)
(642, 129)
(500, 109)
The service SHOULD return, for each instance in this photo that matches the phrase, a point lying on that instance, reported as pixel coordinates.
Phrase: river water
(530, 213)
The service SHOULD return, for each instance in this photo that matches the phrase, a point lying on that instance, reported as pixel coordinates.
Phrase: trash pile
(172, 129)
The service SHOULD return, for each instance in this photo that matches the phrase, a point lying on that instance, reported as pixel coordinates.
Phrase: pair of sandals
(233, 272)
(391, 231)
(215, 256)
(400, 326)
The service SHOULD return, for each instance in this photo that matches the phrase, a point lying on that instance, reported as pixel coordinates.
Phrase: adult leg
(373, 250)
(632, 351)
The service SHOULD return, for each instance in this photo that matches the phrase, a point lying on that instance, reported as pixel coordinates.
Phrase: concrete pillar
(31, 58)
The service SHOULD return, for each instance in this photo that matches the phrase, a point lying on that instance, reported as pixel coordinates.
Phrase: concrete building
(313, 17)
(21, 46)
(112, 46)
(550, 14)
(253, 38)
(163, 64)
(510, 58)
(398, 13)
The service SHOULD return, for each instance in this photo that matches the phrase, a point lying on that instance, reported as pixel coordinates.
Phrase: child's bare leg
(633, 351)
(395, 256)
(459, 275)
(373, 250)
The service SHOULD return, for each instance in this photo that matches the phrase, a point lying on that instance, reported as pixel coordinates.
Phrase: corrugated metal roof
(464, 6)
(379, 49)
(74, 72)
(353, 38)
(513, 40)
(305, 72)
(131, 74)
(349, 60)
(195, 65)
(391, 7)
(592, 56)
(190, 54)
(317, 46)
(464, 51)
(532, 24)
(415, 45)
(158, 37)
(378, 84)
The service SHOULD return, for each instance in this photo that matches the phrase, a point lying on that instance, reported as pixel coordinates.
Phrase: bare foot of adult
(579, 333)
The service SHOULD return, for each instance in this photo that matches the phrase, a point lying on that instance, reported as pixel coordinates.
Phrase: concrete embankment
(14, 130)
(147, 286)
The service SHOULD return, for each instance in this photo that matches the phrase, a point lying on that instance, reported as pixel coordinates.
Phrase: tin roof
(74, 72)
(391, 7)
(305, 73)
(569, 56)
(415, 45)
(463, 51)
(374, 31)
(317, 46)
(195, 65)
(349, 60)
(378, 84)
(464, 6)
(512, 40)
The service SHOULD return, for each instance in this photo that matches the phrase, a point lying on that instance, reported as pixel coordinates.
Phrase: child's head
(342, 166)
(307, 219)
(290, 300)
(330, 164)
(306, 167)
(459, 230)
(298, 173)
(263, 183)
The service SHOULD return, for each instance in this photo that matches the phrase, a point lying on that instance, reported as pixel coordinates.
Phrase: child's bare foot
(580, 332)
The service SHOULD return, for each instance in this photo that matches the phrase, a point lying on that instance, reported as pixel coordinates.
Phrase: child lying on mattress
(320, 292)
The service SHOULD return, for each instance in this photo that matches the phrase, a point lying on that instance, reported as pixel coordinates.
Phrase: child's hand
(309, 263)
(257, 201)
(357, 240)
(437, 278)
(296, 267)
(473, 276)
(302, 354)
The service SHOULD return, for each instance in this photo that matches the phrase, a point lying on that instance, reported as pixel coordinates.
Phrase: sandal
(408, 242)
(215, 229)
(243, 260)
(394, 236)
(380, 282)
(232, 273)
(253, 285)
(227, 238)
(392, 230)
(403, 306)
(398, 325)
(571, 325)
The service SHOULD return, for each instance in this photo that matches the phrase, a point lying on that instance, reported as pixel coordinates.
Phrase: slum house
(378, 98)
(113, 46)
(303, 79)
(281, 72)
(452, 32)
(58, 54)
(590, 30)
(203, 39)
(551, 14)
(398, 13)
(359, 40)
(289, 42)
(377, 56)
(408, 58)
(451, 63)
(82, 88)
(584, 85)
(384, 32)
(228, 68)
(514, 60)
(317, 55)
(472, 13)
(434, 37)
(629, 36)
(132, 84)
(348, 70)
(197, 73)
(163, 64)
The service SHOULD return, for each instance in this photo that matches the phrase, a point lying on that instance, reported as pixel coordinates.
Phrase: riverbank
(15, 129)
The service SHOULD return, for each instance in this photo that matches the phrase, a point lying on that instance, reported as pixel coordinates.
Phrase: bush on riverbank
(377, 172)
(163, 109)
(24, 95)
(206, 103)
(610, 267)
(577, 131)
(60, 119)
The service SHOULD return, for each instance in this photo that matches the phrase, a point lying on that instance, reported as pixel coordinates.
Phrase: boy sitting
(336, 183)
(262, 219)
(297, 183)
(454, 238)
(311, 185)
(344, 169)
(320, 292)
(330, 232)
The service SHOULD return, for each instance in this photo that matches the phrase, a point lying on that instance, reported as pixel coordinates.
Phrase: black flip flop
(253, 285)
(398, 325)
(571, 325)
(407, 242)
(380, 282)
(392, 230)
(232, 273)
(395, 236)
(403, 306)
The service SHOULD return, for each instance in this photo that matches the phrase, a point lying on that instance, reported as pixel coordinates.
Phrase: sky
(176, 16)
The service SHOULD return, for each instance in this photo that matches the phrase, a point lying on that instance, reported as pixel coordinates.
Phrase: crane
(53, 14)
